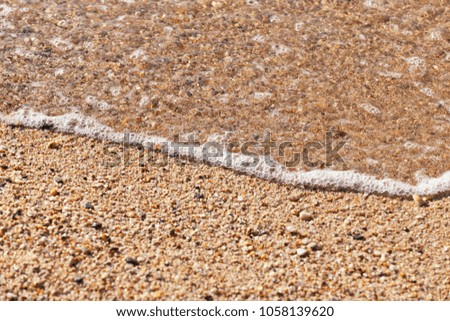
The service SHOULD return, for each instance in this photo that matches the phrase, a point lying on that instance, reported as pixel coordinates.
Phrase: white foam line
(79, 124)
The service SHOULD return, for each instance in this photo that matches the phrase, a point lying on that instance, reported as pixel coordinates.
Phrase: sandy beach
(74, 229)
(83, 219)
(372, 73)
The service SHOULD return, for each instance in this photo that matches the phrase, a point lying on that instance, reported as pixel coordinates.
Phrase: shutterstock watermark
(313, 154)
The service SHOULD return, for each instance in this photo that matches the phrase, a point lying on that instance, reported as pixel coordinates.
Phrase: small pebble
(313, 246)
(53, 145)
(302, 252)
(11, 296)
(86, 251)
(217, 4)
(358, 237)
(305, 241)
(59, 180)
(54, 192)
(74, 261)
(291, 229)
(132, 261)
(97, 225)
(306, 216)
(295, 197)
(377, 253)
(17, 213)
(78, 280)
(89, 206)
(419, 200)
(113, 250)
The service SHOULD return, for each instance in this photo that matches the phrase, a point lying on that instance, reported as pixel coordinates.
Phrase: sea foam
(77, 123)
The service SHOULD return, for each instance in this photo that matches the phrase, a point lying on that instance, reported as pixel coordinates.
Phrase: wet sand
(73, 229)
(372, 72)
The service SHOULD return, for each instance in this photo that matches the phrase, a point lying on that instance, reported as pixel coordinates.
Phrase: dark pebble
(11, 297)
(132, 261)
(17, 213)
(27, 29)
(78, 280)
(358, 237)
(89, 206)
(209, 298)
(97, 225)
(113, 250)
(59, 180)
(74, 261)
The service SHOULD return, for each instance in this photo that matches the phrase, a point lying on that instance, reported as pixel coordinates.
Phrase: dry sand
(375, 72)
(73, 229)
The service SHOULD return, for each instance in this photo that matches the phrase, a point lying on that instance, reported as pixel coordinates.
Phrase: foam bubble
(262, 95)
(62, 44)
(427, 91)
(20, 52)
(75, 122)
(168, 29)
(252, 2)
(99, 104)
(223, 98)
(424, 148)
(372, 3)
(5, 10)
(390, 74)
(298, 26)
(258, 38)
(370, 109)
(144, 101)
(447, 56)
(415, 63)
(274, 19)
(138, 54)
(63, 100)
(4, 25)
(435, 35)
(279, 49)
(59, 72)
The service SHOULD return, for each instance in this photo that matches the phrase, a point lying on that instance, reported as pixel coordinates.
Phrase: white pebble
(302, 252)
(291, 229)
(306, 216)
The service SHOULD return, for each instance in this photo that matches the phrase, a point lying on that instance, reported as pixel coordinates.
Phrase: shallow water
(342, 95)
